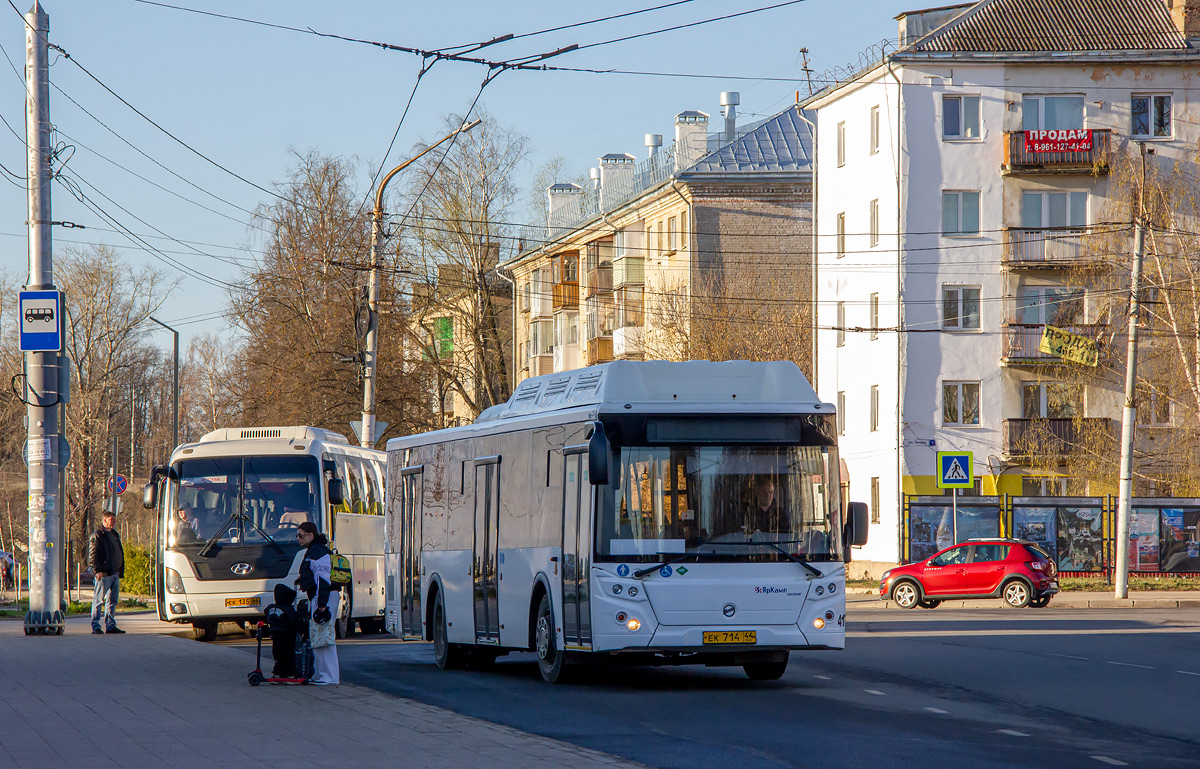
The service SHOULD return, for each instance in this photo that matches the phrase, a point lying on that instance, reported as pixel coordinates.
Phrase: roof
(781, 144)
(1028, 26)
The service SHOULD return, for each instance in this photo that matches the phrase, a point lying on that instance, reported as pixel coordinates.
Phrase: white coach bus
(648, 512)
(231, 506)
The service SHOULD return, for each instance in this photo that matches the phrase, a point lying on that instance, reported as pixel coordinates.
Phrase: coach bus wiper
(266, 536)
(220, 530)
(794, 558)
(643, 572)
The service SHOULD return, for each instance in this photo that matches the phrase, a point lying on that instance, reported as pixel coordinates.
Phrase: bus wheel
(344, 627)
(766, 671)
(204, 631)
(448, 656)
(550, 656)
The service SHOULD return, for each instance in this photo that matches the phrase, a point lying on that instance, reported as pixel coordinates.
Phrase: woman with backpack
(316, 584)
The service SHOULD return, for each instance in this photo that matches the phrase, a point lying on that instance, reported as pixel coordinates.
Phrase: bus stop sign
(41, 321)
(955, 470)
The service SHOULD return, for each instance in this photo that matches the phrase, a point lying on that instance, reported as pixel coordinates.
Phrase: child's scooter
(303, 659)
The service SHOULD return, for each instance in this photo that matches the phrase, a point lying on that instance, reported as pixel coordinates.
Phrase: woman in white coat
(323, 600)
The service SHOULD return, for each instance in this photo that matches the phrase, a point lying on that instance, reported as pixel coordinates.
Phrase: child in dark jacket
(284, 624)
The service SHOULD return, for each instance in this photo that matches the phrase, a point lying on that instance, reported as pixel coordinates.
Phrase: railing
(1054, 247)
(1018, 160)
(566, 295)
(600, 281)
(1030, 437)
(599, 350)
(542, 364)
(1023, 340)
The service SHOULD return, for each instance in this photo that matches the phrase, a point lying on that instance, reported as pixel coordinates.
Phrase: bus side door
(410, 551)
(576, 548)
(485, 556)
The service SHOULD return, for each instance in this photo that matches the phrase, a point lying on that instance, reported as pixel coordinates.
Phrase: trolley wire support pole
(46, 578)
(371, 345)
(1129, 413)
(174, 385)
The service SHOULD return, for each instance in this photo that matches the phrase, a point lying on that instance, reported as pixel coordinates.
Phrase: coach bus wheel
(344, 627)
(550, 656)
(204, 631)
(766, 671)
(448, 656)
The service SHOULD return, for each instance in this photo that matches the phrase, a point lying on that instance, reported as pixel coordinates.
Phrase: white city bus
(651, 512)
(245, 491)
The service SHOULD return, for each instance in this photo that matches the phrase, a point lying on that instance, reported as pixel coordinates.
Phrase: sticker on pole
(955, 470)
(41, 321)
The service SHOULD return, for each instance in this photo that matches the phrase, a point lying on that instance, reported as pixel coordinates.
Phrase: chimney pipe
(653, 142)
(730, 101)
(594, 175)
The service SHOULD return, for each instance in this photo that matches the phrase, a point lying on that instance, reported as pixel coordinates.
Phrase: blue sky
(247, 95)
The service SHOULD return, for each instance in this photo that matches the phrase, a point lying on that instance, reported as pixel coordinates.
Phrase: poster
(1143, 539)
(1039, 526)
(977, 522)
(1180, 540)
(930, 529)
(1059, 140)
(1080, 539)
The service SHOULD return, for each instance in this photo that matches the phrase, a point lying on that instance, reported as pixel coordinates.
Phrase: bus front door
(410, 552)
(576, 549)
(487, 531)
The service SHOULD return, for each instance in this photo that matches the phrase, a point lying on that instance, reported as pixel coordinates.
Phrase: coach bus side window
(355, 492)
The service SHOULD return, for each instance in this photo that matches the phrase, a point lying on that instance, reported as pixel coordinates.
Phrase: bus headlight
(819, 623)
(633, 624)
(174, 581)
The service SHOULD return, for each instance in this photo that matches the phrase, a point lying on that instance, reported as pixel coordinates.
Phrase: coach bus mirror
(336, 492)
(150, 495)
(860, 522)
(599, 450)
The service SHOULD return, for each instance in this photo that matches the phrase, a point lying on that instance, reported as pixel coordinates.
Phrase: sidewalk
(148, 699)
(1144, 599)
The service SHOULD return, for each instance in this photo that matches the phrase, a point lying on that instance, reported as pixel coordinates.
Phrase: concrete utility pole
(1129, 414)
(45, 615)
(371, 351)
(174, 387)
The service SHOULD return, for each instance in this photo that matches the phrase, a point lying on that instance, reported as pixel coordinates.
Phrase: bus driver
(765, 513)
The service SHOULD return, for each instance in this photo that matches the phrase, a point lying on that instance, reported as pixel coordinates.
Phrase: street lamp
(367, 436)
(174, 382)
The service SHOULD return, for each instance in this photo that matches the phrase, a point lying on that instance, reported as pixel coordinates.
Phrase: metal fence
(1078, 533)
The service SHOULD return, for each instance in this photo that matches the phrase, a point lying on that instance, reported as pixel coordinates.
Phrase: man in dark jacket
(107, 558)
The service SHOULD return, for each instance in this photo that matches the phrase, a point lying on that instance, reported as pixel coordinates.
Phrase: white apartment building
(948, 227)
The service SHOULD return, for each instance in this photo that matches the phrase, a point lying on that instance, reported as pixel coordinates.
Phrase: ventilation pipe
(653, 142)
(729, 103)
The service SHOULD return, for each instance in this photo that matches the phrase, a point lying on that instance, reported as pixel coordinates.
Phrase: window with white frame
(960, 308)
(841, 235)
(960, 403)
(1153, 405)
(543, 337)
(960, 117)
(572, 328)
(646, 244)
(841, 144)
(874, 316)
(874, 408)
(1048, 113)
(683, 228)
(1151, 115)
(1051, 400)
(672, 233)
(1051, 305)
(1054, 209)
(841, 324)
(874, 129)
(960, 212)
(875, 222)
(841, 412)
(875, 500)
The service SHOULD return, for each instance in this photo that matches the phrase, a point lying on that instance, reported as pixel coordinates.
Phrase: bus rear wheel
(550, 657)
(766, 671)
(204, 631)
(448, 656)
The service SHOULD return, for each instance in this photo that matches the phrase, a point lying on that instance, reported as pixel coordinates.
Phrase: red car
(1017, 571)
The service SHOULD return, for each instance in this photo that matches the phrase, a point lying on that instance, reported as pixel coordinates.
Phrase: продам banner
(1063, 140)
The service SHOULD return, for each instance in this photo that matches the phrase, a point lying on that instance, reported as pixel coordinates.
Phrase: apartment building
(633, 265)
(962, 179)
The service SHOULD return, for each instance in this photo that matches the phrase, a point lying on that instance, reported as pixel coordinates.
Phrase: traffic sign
(41, 321)
(955, 470)
(121, 484)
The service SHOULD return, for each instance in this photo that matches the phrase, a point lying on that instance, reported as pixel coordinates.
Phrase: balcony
(1025, 438)
(566, 295)
(1086, 152)
(599, 350)
(599, 280)
(1052, 248)
(627, 342)
(540, 301)
(541, 364)
(1022, 343)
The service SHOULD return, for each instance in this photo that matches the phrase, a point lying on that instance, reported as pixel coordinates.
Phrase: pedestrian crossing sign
(955, 470)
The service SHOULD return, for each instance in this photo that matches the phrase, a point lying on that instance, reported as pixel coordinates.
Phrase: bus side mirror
(150, 495)
(599, 450)
(859, 523)
(336, 492)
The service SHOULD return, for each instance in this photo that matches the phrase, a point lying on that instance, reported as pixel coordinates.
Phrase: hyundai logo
(241, 569)
(729, 610)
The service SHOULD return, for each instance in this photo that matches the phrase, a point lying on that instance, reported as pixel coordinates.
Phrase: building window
(1051, 400)
(874, 129)
(1053, 305)
(841, 324)
(526, 292)
(841, 143)
(1053, 209)
(646, 246)
(960, 212)
(874, 316)
(443, 334)
(841, 412)
(960, 117)
(660, 240)
(875, 222)
(672, 233)
(1153, 406)
(841, 235)
(1049, 113)
(1151, 116)
(960, 403)
(683, 229)
(874, 500)
(874, 408)
(960, 308)
(572, 330)
(543, 337)
(630, 306)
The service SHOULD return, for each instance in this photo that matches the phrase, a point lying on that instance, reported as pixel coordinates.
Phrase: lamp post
(367, 437)
(174, 382)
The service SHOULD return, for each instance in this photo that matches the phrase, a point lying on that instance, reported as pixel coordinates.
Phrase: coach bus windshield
(733, 502)
(241, 500)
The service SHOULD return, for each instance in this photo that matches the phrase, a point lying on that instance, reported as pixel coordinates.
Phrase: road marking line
(1129, 665)
(873, 691)
(937, 710)
(1110, 761)
(1066, 656)
(1012, 732)
(823, 678)
(1188, 672)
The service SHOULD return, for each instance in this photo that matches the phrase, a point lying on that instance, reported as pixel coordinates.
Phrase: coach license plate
(241, 601)
(730, 637)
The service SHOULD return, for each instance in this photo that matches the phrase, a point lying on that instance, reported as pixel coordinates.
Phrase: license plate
(242, 601)
(730, 637)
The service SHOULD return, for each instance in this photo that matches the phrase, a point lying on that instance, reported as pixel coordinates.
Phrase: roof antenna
(807, 70)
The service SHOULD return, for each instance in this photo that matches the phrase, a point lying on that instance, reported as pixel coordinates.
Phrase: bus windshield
(242, 500)
(734, 502)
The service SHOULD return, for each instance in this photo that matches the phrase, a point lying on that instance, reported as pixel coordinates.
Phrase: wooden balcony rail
(1030, 437)
(1018, 160)
(565, 295)
(600, 280)
(1050, 247)
(1023, 340)
(599, 350)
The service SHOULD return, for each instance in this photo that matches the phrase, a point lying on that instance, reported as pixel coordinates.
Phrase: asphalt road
(1051, 688)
